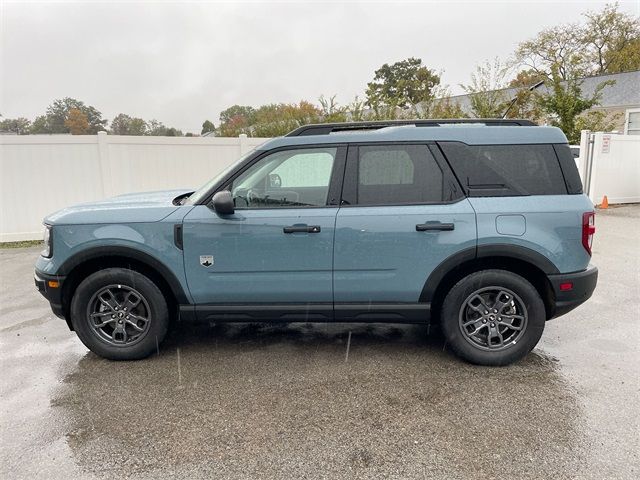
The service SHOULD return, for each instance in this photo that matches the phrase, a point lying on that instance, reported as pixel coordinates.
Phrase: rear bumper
(582, 286)
(51, 293)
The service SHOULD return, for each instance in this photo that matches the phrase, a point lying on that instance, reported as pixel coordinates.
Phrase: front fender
(148, 243)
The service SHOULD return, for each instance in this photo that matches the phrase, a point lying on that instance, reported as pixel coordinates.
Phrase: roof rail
(328, 128)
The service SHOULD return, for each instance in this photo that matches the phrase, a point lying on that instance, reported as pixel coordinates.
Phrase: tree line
(603, 42)
(71, 116)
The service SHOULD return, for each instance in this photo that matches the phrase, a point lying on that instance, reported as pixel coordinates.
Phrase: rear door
(402, 214)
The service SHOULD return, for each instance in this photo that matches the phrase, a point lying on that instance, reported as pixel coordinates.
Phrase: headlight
(47, 242)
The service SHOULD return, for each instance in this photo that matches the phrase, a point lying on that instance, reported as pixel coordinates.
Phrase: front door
(276, 250)
(403, 215)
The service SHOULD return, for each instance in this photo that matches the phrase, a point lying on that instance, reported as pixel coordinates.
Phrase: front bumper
(52, 293)
(582, 286)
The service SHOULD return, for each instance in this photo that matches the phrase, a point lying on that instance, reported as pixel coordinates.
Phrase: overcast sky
(184, 62)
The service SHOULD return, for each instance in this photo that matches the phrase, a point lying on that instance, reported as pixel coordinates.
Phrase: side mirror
(223, 203)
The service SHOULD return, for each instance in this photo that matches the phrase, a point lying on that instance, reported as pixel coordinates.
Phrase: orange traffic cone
(605, 203)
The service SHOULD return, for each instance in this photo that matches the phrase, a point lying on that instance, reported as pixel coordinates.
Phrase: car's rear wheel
(119, 314)
(493, 317)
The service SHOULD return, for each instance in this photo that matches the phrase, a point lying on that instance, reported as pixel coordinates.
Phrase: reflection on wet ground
(248, 401)
(284, 401)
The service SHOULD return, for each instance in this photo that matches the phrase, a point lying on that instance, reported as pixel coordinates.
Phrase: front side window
(202, 192)
(289, 178)
(397, 175)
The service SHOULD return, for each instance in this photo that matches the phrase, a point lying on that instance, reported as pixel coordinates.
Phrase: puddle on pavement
(284, 401)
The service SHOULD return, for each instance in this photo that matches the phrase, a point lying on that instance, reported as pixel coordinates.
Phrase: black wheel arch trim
(520, 253)
(126, 252)
(484, 251)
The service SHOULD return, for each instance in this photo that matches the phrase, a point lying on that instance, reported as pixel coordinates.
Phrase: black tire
(464, 310)
(121, 288)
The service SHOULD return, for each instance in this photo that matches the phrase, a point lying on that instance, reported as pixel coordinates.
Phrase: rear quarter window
(506, 170)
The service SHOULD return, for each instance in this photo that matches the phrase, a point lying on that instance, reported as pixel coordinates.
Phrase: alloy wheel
(493, 318)
(119, 315)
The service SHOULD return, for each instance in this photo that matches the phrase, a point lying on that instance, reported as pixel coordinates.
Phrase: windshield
(201, 193)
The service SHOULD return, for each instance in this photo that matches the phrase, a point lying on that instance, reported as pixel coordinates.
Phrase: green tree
(563, 55)
(39, 125)
(120, 124)
(563, 101)
(556, 48)
(208, 127)
(442, 105)
(331, 111)
(627, 60)
(356, 110)
(58, 112)
(523, 103)
(445, 107)
(19, 126)
(402, 84)
(159, 129)
(597, 121)
(486, 90)
(279, 119)
(173, 132)
(137, 127)
(526, 79)
(612, 40)
(607, 41)
(123, 124)
(383, 111)
(268, 120)
(77, 122)
(235, 120)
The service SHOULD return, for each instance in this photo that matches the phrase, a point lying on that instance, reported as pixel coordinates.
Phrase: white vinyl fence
(40, 174)
(609, 165)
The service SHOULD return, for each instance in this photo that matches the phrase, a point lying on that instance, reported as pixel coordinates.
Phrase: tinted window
(290, 178)
(398, 174)
(504, 170)
(569, 168)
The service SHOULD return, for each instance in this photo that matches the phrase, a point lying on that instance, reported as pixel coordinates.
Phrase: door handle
(424, 227)
(302, 229)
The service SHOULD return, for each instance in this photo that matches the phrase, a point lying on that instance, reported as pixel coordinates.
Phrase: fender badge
(206, 260)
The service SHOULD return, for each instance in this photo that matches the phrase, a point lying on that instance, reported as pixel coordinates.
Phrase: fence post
(584, 154)
(244, 148)
(595, 147)
(103, 163)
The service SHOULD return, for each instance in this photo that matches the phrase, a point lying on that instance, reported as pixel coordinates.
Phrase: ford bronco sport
(478, 225)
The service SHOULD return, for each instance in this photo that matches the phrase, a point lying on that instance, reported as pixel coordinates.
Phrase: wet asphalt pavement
(288, 401)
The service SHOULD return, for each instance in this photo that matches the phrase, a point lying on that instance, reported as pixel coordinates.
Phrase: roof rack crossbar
(328, 128)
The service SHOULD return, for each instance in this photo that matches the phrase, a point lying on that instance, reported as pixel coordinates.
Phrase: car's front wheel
(119, 314)
(493, 317)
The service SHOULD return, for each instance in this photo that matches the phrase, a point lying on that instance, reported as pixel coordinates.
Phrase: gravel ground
(301, 401)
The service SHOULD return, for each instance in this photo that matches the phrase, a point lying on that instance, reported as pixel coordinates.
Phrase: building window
(632, 122)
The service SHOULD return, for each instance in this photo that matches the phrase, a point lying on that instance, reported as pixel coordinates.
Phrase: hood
(131, 207)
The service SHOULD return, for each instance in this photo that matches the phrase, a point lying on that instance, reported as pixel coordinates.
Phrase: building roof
(625, 92)
(471, 134)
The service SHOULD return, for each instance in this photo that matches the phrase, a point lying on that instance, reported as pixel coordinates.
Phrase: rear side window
(506, 170)
(395, 175)
(569, 168)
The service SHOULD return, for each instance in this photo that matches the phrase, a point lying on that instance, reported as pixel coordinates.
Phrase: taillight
(588, 229)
